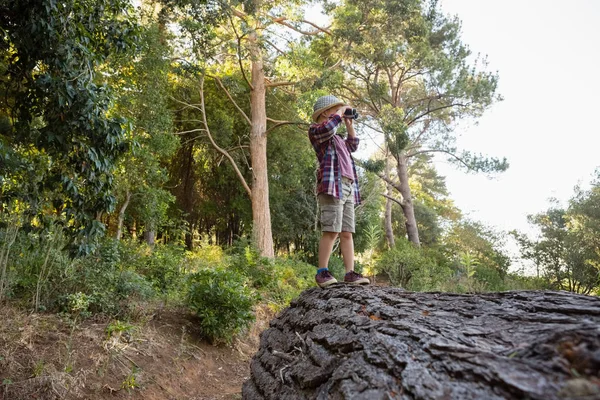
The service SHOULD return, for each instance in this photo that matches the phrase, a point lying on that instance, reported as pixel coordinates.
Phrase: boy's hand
(340, 111)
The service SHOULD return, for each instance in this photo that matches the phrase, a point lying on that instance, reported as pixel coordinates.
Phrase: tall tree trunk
(150, 236)
(122, 215)
(261, 214)
(389, 231)
(407, 205)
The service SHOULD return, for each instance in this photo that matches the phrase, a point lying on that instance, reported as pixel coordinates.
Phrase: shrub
(290, 278)
(162, 265)
(259, 270)
(203, 255)
(277, 280)
(222, 301)
(336, 267)
(402, 262)
(516, 281)
(490, 277)
(109, 279)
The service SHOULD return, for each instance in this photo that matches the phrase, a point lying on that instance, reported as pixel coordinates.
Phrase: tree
(246, 42)
(566, 251)
(142, 89)
(383, 343)
(478, 242)
(60, 140)
(406, 68)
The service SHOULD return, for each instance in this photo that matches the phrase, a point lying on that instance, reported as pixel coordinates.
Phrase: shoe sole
(365, 282)
(326, 284)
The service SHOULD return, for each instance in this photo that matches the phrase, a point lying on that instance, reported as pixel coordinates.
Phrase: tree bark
(261, 214)
(389, 230)
(385, 343)
(122, 215)
(412, 230)
(150, 237)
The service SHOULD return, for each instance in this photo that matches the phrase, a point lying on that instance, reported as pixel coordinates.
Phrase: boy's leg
(331, 222)
(325, 247)
(347, 247)
(347, 240)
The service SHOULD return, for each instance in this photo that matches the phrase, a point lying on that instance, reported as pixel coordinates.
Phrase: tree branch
(324, 30)
(190, 131)
(240, 14)
(434, 110)
(281, 123)
(393, 199)
(216, 146)
(425, 128)
(232, 100)
(275, 47)
(275, 84)
(389, 181)
(440, 151)
(239, 53)
(282, 21)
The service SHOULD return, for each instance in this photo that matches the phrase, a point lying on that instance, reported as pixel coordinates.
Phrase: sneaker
(324, 279)
(355, 279)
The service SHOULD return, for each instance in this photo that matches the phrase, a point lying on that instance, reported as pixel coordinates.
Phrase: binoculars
(351, 113)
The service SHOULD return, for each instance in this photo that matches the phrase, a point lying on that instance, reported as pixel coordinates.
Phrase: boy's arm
(351, 141)
(325, 131)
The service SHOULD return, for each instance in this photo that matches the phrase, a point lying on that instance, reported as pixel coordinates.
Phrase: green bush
(259, 270)
(222, 301)
(336, 267)
(402, 262)
(162, 265)
(490, 277)
(516, 281)
(290, 278)
(277, 280)
(111, 278)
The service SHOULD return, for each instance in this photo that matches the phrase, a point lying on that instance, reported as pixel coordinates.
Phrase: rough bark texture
(261, 214)
(389, 231)
(384, 343)
(412, 231)
(122, 215)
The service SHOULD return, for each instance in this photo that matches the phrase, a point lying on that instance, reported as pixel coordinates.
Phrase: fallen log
(385, 343)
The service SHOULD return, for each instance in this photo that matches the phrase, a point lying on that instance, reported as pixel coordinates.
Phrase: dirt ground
(46, 356)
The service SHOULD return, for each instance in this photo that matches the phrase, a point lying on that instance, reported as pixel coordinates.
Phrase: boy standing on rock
(337, 186)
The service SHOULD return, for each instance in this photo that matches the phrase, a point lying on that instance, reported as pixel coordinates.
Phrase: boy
(337, 186)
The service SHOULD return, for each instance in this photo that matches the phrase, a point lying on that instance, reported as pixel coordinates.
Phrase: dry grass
(45, 357)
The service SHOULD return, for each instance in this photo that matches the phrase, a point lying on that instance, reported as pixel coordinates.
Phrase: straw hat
(323, 104)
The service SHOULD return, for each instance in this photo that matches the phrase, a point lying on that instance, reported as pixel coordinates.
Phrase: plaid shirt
(329, 178)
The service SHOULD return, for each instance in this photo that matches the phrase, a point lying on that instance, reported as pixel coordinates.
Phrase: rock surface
(385, 343)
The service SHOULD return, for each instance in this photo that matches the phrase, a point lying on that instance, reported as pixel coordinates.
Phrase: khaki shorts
(337, 215)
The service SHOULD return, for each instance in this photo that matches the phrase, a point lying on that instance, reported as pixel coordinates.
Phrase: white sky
(547, 54)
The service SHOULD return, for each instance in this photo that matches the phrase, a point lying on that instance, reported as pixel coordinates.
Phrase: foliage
(402, 262)
(277, 280)
(405, 66)
(222, 301)
(62, 141)
(477, 240)
(142, 91)
(567, 252)
(434, 274)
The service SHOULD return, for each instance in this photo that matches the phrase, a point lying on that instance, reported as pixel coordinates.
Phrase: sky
(547, 54)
